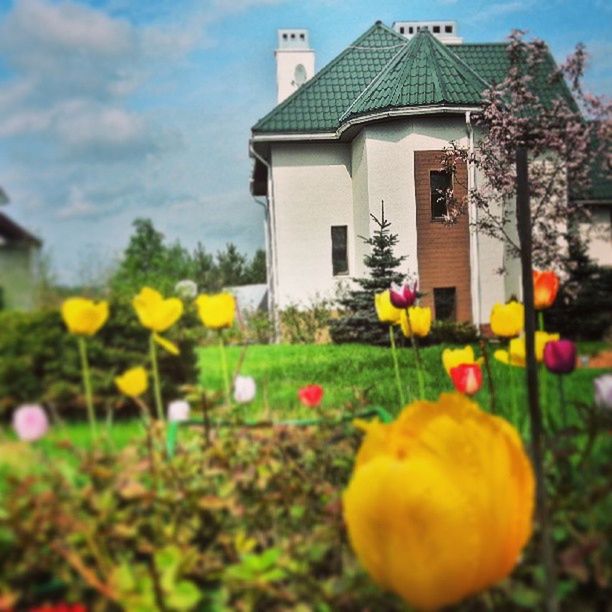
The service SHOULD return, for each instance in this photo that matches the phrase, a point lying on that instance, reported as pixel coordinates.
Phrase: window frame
(440, 219)
(453, 292)
(336, 269)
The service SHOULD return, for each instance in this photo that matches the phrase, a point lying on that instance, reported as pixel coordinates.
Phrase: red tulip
(403, 297)
(467, 378)
(60, 607)
(311, 395)
(560, 356)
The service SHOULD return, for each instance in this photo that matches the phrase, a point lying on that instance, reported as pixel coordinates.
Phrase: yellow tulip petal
(507, 320)
(385, 310)
(417, 319)
(84, 317)
(166, 344)
(216, 311)
(133, 382)
(440, 503)
(451, 358)
(154, 312)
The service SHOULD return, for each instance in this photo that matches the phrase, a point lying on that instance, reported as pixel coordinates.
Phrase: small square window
(292, 36)
(448, 29)
(445, 303)
(284, 37)
(410, 30)
(302, 36)
(439, 183)
(402, 30)
(339, 237)
(436, 29)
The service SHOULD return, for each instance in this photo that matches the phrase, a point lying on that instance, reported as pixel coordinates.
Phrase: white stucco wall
(598, 233)
(317, 185)
(312, 192)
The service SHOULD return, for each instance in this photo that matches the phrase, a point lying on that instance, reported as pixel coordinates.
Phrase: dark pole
(523, 219)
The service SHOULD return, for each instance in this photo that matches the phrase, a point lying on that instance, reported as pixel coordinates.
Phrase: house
(368, 128)
(18, 250)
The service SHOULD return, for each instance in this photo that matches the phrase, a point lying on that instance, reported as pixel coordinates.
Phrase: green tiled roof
(382, 69)
(423, 73)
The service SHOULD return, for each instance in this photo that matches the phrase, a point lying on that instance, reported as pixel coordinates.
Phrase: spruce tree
(358, 321)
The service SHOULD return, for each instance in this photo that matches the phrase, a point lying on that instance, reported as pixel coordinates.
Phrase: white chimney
(444, 31)
(295, 61)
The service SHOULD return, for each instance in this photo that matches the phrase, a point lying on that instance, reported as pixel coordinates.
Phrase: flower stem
(396, 366)
(540, 320)
(156, 384)
(87, 387)
(226, 380)
(484, 347)
(417, 358)
(562, 399)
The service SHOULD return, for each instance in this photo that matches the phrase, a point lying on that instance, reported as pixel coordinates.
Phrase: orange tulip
(545, 287)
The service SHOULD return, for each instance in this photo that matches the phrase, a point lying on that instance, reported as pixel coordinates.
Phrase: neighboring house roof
(383, 70)
(250, 297)
(12, 232)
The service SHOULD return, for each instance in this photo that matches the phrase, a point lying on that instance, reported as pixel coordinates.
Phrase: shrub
(307, 325)
(451, 332)
(39, 360)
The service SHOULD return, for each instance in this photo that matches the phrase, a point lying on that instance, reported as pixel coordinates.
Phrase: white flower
(186, 289)
(603, 391)
(178, 411)
(244, 389)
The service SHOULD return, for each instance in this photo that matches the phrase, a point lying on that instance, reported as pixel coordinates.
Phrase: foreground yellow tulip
(451, 358)
(507, 320)
(516, 353)
(385, 310)
(216, 311)
(420, 321)
(133, 382)
(440, 503)
(84, 317)
(156, 313)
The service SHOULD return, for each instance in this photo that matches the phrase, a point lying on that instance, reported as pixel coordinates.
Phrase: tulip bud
(178, 411)
(560, 356)
(403, 297)
(467, 378)
(311, 395)
(603, 391)
(545, 287)
(30, 422)
(244, 389)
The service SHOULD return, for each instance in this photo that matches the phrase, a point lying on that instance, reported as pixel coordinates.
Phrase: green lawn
(353, 373)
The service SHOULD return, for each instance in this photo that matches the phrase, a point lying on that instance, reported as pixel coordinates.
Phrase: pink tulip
(311, 395)
(30, 422)
(178, 411)
(403, 297)
(560, 356)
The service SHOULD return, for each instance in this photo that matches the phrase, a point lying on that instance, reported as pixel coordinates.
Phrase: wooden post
(523, 219)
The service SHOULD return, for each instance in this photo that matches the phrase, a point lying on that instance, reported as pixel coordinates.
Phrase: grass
(359, 374)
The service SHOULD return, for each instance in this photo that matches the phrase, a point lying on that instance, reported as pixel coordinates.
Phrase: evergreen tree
(359, 322)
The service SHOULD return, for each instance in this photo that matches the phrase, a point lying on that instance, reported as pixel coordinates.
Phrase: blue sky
(117, 109)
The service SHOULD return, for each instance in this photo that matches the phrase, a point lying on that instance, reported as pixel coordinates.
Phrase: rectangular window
(439, 182)
(339, 236)
(448, 29)
(445, 303)
(436, 29)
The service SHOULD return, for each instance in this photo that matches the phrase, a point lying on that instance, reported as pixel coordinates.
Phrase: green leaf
(184, 596)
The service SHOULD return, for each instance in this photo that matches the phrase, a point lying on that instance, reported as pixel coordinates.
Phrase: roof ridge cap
(436, 73)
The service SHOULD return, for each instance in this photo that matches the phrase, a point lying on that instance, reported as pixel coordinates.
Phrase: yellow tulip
(385, 310)
(133, 382)
(451, 358)
(84, 317)
(507, 320)
(440, 502)
(217, 311)
(156, 313)
(516, 353)
(420, 321)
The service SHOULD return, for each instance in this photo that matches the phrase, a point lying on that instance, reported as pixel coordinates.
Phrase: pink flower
(30, 422)
(560, 356)
(603, 391)
(403, 297)
(244, 389)
(311, 395)
(467, 378)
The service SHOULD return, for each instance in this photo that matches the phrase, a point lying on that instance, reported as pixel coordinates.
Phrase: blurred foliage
(305, 324)
(450, 332)
(251, 519)
(148, 260)
(39, 360)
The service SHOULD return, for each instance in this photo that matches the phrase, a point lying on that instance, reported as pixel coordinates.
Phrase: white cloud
(77, 206)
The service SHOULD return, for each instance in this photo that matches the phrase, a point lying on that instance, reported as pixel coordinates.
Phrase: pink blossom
(178, 411)
(30, 422)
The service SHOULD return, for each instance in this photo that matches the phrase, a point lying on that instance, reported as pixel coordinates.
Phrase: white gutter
(271, 251)
(294, 137)
(475, 283)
